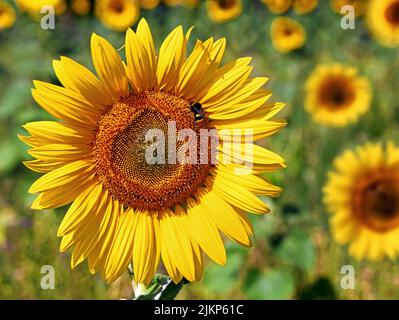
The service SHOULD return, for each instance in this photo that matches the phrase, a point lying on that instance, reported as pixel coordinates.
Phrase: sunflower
(336, 95)
(125, 209)
(34, 7)
(299, 6)
(278, 6)
(363, 196)
(117, 14)
(173, 3)
(7, 16)
(360, 6)
(81, 7)
(304, 6)
(383, 21)
(223, 10)
(191, 3)
(287, 34)
(149, 4)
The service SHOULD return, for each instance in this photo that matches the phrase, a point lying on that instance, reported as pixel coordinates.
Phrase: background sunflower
(295, 255)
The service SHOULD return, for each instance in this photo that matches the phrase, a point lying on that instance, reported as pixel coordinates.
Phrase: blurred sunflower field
(340, 204)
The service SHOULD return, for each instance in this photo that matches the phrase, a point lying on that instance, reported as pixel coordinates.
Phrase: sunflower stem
(160, 288)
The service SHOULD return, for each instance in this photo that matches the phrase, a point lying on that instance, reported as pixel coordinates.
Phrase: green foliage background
(294, 256)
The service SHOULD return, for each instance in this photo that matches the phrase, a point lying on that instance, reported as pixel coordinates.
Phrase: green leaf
(297, 250)
(171, 290)
(163, 287)
(271, 285)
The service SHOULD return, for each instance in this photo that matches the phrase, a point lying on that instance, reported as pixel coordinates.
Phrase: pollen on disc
(121, 152)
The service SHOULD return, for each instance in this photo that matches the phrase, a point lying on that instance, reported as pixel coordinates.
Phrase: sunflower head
(126, 208)
(278, 6)
(223, 10)
(305, 6)
(7, 15)
(363, 196)
(287, 34)
(81, 7)
(383, 21)
(173, 3)
(117, 14)
(34, 7)
(360, 6)
(149, 4)
(336, 95)
(191, 3)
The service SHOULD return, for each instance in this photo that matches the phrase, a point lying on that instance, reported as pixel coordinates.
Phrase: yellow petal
(64, 104)
(176, 244)
(78, 78)
(205, 232)
(48, 132)
(109, 67)
(139, 64)
(121, 251)
(71, 174)
(146, 248)
(225, 217)
(237, 195)
(60, 152)
(172, 55)
(81, 209)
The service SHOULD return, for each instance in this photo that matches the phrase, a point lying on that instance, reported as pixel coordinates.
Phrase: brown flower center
(226, 4)
(336, 93)
(116, 5)
(137, 168)
(376, 200)
(392, 13)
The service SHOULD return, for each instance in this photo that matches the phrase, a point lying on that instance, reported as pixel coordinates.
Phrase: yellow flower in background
(7, 15)
(383, 21)
(123, 208)
(191, 3)
(336, 95)
(149, 4)
(173, 2)
(81, 7)
(117, 14)
(34, 7)
(278, 6)
(223, 10)
(304, 6)
(360, 6)
(363, 196)
(287, 34)
(282, 6)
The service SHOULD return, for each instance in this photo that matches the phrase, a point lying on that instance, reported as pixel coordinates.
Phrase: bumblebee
(199, 113)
